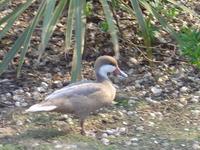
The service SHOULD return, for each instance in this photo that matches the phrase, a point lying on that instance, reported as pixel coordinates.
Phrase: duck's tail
(40, 107)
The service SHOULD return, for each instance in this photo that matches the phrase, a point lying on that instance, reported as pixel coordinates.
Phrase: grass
(45, 130)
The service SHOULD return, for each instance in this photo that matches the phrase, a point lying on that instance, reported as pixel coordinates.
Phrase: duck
(84, 97)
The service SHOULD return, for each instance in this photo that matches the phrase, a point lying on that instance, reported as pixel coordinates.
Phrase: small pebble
(156, 91)
(104, 135)
(18, 104)
(184, 89)
(196, 146)
(105, 141)
(134, 139)
(141, 128)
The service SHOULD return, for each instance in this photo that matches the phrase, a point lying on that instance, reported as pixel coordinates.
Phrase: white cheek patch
(105, 69)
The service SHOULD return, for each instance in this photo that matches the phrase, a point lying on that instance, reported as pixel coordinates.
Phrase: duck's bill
(119, 73)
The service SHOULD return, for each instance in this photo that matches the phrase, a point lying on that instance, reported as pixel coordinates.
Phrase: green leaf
(9, 19)
(80, 22)
(143, 26)
(4, 3)
(27, 39)
(12, 52)
(51, 26)
(186, 9)
(160, 18)
(69, 25)
(112, 26)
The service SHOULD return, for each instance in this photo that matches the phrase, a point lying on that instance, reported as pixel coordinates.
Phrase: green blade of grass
(144, 29)
(80, 22)
(186, 9)
(51, 26)
(111, 26)
(27, 39)
(48, 13)
(126, 7)
(12, 52)
(161, 19)
(4, 3)
(11, 18)
(69, 25)
(9, 25)
(16, 12)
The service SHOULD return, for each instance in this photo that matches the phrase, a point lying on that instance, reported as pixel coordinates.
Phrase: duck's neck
(101, 78)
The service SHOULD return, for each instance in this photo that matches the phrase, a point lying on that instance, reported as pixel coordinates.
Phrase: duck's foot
(83, 132)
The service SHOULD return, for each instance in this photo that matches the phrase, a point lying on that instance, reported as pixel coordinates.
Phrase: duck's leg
(82, 126)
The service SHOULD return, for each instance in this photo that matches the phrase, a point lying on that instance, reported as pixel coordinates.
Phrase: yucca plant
(50, 11)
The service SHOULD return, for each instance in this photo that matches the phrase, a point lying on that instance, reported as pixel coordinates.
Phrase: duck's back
(82, 98)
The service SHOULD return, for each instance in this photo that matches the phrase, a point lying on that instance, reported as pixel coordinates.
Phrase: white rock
(195, 112)
(128, 143)
(156, 91)
(58, 146)
(140, 128)
(131, 101)
(18, 98)
(36, 95)
(134, 139)
(58, 84)
(153, 115)
(18, 91)
(24, 104)
(104, 135)
(41, 89)
(18, 104)
(44, 85)
(134, 144)
(184, 89)
(122, 130)
(196, 146)
(28, 94)
(151, 124)
(186, 129)
(110, 131)
(105, 141)
(130, 113)
(133, 60)
(8, 94)
(148, 99)
(183, 100)
(195, 99)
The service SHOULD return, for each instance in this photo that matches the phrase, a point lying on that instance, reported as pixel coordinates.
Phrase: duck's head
(107, 64)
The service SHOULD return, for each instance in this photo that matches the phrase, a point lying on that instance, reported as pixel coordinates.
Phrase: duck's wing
(84, 89)
(68, 98)
(72, 86)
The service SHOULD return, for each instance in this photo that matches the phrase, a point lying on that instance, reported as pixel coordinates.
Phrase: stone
(196, 146)
(36, 95)
(18, 104)
(156, 91)
(18, 98)
(105, 141)
(44, 85)
(134, 139)
(110, 131)
(184, 89)
(58, 84)
(183, 100)
(140, 128)
(122, 130)
(195, 99)
(151, 124)
(104, 135)
(41, 89)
